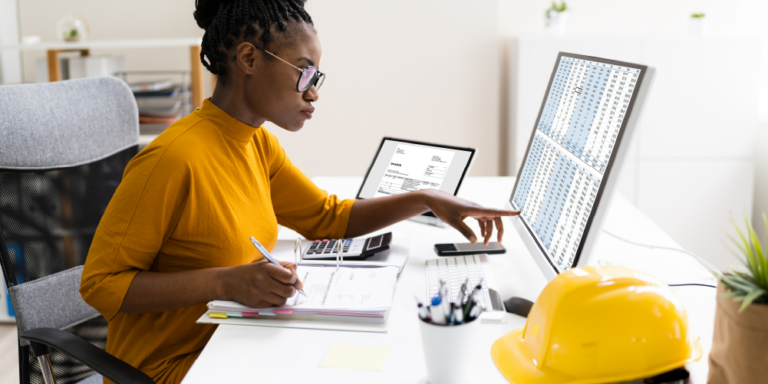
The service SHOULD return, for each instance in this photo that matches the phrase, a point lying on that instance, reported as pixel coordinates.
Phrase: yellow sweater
(189, 201)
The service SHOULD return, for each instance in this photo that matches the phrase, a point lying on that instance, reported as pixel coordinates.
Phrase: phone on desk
(458, 249)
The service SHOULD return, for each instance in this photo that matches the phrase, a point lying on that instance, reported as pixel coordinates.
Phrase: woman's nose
(311, 94)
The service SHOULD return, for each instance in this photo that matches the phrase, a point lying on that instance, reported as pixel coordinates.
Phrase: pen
(269, 257)
(460, 297)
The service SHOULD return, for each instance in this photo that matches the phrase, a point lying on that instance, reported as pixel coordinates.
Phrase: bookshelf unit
(53, 49)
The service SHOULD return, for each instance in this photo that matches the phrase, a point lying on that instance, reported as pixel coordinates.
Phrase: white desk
(249, 353)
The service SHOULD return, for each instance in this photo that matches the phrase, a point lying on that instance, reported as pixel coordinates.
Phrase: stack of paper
(349, 295)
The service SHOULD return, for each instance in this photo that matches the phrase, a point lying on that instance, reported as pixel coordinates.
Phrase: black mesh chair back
(63, 151)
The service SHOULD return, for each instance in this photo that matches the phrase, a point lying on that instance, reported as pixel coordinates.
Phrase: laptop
(405, 165)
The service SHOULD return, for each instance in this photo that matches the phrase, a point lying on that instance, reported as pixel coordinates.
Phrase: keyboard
(353, 249)
(454, 271)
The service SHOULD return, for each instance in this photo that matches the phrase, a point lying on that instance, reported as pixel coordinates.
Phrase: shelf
(4, 319)
(95, 44)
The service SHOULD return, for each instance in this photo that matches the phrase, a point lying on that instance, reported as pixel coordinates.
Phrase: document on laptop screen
(413, 168)
(402, 166)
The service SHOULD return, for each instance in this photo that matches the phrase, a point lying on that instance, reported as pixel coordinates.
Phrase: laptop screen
(402, 166)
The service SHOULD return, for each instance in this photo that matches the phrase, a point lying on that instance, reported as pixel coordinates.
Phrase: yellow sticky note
(355, 357)
(217, 315)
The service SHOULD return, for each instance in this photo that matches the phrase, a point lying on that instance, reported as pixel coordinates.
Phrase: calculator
(353, 249)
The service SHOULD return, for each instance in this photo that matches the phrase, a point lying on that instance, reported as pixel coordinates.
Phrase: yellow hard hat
(601, 324)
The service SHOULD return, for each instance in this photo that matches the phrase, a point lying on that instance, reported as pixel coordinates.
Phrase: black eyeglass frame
(317, 79)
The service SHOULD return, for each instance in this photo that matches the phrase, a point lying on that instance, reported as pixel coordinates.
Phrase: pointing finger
(491, 212)
(499, 228)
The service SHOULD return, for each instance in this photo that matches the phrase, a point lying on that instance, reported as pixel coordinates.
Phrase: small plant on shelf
(557, 8)
(750, 286)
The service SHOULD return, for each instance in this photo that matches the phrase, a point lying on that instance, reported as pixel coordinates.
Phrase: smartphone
(458, 249)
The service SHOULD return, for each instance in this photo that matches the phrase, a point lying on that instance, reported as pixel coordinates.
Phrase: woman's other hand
(453, 210)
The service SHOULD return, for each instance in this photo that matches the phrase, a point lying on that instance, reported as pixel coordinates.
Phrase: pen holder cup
(449, 351)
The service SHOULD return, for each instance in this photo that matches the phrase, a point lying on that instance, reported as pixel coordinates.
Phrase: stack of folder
(346, 295)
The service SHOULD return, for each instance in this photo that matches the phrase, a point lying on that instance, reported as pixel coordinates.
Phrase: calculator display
(571, 151)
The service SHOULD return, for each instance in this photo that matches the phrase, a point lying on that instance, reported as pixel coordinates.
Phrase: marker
(438, 316)
(269, 257)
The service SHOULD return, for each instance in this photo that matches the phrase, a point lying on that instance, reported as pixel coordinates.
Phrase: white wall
(425, 70)
(662, 18)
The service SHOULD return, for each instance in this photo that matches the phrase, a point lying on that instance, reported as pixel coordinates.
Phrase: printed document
(348, 288)
(414, 168)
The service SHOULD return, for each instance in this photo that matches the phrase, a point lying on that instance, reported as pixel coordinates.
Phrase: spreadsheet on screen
(571, 149)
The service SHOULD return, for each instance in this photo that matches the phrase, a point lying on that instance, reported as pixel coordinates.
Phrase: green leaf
(751, 296)
(751, 262)
(762, 263)
(738, 282)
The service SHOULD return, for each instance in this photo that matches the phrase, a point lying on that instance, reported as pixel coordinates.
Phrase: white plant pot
(696, 27)
(557, 24)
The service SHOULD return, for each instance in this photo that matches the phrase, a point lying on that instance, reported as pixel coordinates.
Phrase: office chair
(63, 149)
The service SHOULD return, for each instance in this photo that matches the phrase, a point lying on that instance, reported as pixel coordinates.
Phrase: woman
(175, 234)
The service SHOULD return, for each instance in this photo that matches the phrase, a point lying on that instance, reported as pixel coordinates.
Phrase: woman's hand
(453, 210)
(369, 215)
(261, 284)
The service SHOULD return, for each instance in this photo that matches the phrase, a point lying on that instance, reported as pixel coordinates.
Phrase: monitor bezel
(464, 173)
(600, 202)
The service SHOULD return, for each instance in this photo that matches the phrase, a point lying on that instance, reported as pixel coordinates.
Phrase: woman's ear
(246, 58)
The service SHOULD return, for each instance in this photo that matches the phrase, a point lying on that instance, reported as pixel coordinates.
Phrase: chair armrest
(99, 360)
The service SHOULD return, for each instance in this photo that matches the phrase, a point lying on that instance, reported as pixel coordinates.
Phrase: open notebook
(337, 298)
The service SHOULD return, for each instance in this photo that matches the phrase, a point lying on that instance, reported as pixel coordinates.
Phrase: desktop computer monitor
(565, 181)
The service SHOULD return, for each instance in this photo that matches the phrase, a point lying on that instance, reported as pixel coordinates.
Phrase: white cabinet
(691, 159)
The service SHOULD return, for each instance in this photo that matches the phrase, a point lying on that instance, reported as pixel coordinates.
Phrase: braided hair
(227, 22)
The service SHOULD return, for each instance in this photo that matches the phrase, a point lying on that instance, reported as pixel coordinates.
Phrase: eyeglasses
(309, 76)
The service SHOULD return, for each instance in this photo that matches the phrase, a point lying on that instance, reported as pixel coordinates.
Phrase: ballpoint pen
(269, 257)
(472, 298)
(462, 291)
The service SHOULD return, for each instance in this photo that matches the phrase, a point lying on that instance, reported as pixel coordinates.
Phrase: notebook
(335, 297)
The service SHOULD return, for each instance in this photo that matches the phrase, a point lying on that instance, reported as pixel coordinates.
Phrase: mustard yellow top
(191, 200)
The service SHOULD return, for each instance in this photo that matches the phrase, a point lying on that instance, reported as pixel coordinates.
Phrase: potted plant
(557, 19)
(740, 342)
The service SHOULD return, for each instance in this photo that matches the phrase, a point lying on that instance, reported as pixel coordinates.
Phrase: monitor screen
(571, 151)
(402, 166)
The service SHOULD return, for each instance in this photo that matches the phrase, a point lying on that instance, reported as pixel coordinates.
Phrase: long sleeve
(299, 204)
(140, 217)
